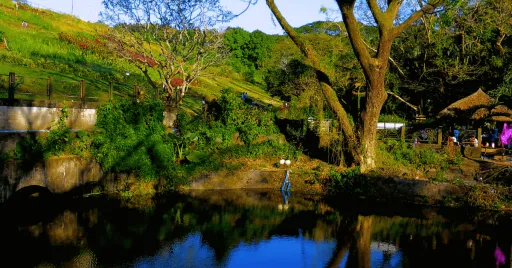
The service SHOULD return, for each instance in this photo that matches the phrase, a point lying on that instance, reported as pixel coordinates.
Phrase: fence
(19, 87)
(424, 136)
(410, 134)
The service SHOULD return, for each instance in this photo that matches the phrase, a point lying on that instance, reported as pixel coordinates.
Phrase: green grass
(38, 52)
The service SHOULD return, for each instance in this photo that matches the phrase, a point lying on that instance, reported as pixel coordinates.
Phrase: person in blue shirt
(494, 136)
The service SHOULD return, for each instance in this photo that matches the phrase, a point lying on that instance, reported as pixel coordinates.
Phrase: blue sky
(258, 17)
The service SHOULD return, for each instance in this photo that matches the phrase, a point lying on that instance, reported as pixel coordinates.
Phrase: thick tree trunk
(325, 85)
(375, 98)
(374, 68)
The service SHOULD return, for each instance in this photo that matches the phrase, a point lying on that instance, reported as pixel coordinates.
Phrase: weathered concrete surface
(42, 118)
(8, 140)
(59, 175)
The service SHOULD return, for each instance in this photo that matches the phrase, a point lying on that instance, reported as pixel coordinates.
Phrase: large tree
(375, 64)
(451, 54)
(175, 39)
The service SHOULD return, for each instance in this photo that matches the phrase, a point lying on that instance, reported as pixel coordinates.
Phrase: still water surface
(248, 229)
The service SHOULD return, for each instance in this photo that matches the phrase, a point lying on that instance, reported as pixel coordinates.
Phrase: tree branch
(390, 59)
(393, 7)
(429, 7)
(414, 107)
(376, 12)
(347, 11)
(299, 42)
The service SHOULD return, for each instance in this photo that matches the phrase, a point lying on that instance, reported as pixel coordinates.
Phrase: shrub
(352, 183)
(397, 153)
(391, 118)
(248, 121)
(198, 136)
(131, 138)
(59, 138)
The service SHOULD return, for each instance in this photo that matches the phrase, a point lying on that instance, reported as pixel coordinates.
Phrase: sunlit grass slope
(42, 49)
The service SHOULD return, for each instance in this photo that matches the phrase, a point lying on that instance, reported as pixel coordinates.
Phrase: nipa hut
(477, 107)
(467, 106)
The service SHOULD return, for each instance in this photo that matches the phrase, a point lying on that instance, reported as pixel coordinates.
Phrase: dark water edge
(246, 228)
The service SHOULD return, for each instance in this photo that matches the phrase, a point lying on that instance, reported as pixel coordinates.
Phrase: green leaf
(197, 157)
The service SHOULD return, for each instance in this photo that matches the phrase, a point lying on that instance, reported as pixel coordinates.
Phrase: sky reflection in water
(275, 252)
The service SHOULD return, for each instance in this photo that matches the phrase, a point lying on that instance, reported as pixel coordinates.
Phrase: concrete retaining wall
(13, 118)
(59, 175)
(41, 118)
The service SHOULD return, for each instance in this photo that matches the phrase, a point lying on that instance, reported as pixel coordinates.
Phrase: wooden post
(440, 137)
(49, 88)
(111, 86)
(402, 133)
(82, 91)
(12, 84)
(479, 136)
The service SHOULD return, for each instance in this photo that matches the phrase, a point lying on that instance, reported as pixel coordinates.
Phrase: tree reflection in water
(248, 228)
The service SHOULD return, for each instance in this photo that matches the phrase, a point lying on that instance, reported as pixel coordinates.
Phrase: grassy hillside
(61, 46)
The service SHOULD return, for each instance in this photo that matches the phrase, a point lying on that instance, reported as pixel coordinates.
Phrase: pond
(248, 229)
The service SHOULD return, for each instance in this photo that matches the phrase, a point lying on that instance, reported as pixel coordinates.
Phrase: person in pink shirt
(499, 256)
(506, 135)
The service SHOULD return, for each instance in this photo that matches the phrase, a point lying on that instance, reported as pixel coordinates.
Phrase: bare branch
(429, 7)
(414, 107)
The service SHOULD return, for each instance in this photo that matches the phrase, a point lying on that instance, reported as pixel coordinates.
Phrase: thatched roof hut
(480, 114)
(501, 118)
(477, 106)
(501, 110)
(468, 105)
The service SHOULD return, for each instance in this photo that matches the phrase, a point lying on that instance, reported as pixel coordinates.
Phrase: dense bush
(391, 118)
(59, 137)
(290, 80)
(132, 138)
(399, 154)
(247, 120)
(59, 141)
(236, 133)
